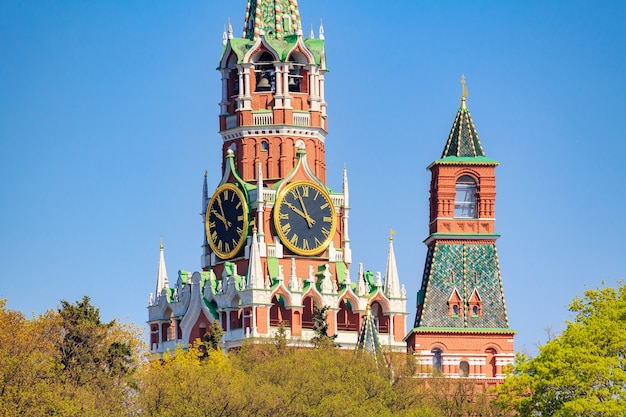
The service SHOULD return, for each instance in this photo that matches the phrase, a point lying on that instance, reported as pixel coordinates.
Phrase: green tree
(86, 350)
(280, 338)
(320, 328)
(212, 339)
(66, 363)
(581, 372)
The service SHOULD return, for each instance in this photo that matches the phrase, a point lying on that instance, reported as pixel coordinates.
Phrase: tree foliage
(66, 363)
(320, 328)
(581, 372)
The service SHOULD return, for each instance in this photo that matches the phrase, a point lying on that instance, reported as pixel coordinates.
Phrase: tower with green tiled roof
(276, 242)
(461, 325)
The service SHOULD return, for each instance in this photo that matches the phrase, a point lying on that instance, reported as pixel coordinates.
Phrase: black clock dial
(304, 217)
(227, 221)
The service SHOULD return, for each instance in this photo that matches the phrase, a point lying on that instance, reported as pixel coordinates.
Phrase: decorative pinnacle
(161, 245)
(463, 92)
(391, 233)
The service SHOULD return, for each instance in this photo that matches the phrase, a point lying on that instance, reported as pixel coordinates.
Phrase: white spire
(224, 37)
(321, 30)
(255, 269)
(312, 34)
(162, 281)
(347, 253)
(230, 29)
(260, 201)
(205, 194)
(392, 281)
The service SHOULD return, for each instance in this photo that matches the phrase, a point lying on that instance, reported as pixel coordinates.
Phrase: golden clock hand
(222, 218)
(308, 218)
(226, 223)
(298, 211)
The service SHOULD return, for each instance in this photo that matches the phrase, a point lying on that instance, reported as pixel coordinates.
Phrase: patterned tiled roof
(464, 267)
(271, 18)
(463, 140)
(368, 336)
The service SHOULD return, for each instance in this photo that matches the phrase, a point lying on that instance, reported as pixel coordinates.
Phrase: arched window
(465, 200)
(464, 368)
(437, 360)
(264, 146)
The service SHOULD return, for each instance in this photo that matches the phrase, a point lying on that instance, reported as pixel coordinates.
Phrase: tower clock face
(227, 221)
(304, 217)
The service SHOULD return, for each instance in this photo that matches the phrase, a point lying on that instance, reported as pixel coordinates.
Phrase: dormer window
(475, 304)
(454, 304)
(465, 200)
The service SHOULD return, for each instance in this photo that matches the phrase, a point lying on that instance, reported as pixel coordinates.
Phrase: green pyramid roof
(368, 336)
(463, 140)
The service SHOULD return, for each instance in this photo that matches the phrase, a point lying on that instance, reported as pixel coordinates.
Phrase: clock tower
(461, 325)
(276, 241)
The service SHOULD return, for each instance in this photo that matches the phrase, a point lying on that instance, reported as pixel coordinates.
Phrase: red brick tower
(276, 241)
(461, 326)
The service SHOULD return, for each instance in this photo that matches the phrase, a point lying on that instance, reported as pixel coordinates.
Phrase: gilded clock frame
(246, 221)
(284, 239)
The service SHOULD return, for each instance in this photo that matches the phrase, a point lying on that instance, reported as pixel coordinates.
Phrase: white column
(224, 102)
(322, 94)
(246, 86)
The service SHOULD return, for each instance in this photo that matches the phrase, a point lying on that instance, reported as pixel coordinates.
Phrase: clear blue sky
(108, 120)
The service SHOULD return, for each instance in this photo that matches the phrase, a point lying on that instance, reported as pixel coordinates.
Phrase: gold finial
(161, 245)
(463, 92)
(391, 233)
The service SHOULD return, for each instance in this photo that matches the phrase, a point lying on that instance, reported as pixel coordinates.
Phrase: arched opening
(202, 330)
(465, 198)
(278, 312)
(464, 369)
(236, 316)
(490, 368)
(308, 312)
(154, 335)
(166, 327)
(437, 360)
(296, 77)
(265, 73)
(381, 320)
(346, 318)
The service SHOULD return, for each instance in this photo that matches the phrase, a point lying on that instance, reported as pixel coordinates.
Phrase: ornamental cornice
(285, 130)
